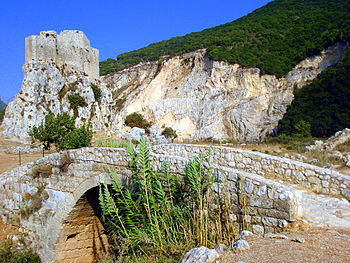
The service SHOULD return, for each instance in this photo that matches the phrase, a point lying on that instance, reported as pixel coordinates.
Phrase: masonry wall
(310, 177)
(70, 50)
(40, 196)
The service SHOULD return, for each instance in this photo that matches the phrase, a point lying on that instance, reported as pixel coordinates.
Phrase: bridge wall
(311, 177)
(40, 196)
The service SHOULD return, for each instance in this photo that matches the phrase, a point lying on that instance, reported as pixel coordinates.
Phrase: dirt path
(10, 160)
(320, 246)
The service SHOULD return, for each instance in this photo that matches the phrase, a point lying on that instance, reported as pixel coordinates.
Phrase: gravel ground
(320, 246)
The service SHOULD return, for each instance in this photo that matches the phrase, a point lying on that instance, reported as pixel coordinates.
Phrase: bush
(168, 132)
(137, 120)
(77, 138)
(75, 101)
(303, 129)
(10, 254)
(97, 92)
(61, 132)
(2, 114)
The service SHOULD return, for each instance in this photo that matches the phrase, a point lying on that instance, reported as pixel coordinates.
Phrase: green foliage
(97, 92)
(10, 254)
(119, 104)
(324, 104)
(52, 129)
(77, 138)
(113, 143)
(2, 114)
(273, 38)
(60, 130)
(137, 120)
(169, 133)
(75, 101)
(150, 217)
(303, 129)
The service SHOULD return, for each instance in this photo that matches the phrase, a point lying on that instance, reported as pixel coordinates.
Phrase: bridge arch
(61, 184)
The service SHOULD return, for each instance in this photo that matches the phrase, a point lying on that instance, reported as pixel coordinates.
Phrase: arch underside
(83, 238)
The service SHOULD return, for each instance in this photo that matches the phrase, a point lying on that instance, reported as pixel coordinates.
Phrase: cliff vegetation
(273, 38)
(324, 104)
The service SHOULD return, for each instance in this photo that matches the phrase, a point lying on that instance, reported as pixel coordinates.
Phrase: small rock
(275, 236)
(314, 162)
(286, 155)
(245, 233)
(220, 248)
(240, 245)
(346, 194)
(258, 230)
(201, 255)
(328, 166)
(298, 240)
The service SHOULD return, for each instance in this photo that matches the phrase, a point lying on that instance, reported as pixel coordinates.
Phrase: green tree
(60, 130)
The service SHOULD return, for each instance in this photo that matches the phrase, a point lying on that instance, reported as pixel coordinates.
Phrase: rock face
(201, 98)
(49, 80)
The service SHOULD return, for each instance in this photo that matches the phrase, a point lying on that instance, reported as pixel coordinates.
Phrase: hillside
(273, 38)
(2, 105)
(324, 104)
(2, 110)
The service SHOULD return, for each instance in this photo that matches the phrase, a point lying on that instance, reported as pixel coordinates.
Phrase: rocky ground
(320, 246)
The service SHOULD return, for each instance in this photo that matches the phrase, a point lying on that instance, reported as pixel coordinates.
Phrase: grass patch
(10, 253)
(112, 143)
(344, 147)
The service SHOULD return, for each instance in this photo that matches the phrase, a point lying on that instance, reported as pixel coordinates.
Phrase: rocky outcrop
(46, 89)
(58, 65)
(202, 98)
(338, 138)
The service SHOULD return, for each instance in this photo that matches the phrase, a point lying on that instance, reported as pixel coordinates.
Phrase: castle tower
(69, 49)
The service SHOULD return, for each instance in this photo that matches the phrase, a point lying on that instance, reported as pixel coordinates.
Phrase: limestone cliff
(196, 96)
(201, 98)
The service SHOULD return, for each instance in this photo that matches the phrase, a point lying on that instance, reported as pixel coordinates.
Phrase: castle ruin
(70, 49)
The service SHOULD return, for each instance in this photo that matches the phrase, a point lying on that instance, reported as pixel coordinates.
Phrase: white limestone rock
(201, 255)
(45, 89)
(240, 245)
(202, 98)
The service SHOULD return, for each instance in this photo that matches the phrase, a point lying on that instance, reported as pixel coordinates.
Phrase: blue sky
(113, 27)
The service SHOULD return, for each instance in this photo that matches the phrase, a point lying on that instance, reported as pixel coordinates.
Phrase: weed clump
(137, 120)
(10, 253)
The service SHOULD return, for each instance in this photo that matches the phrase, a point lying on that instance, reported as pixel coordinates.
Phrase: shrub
(168, 132)
(61, 132)
(97, 92)
(75, 101)
(137, 120)
(2, 114)
(77, 138)
(9, 253)
(303, 129)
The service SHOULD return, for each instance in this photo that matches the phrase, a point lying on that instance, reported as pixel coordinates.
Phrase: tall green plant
(148, 213)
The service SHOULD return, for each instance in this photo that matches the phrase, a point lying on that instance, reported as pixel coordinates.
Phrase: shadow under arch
(82, 237)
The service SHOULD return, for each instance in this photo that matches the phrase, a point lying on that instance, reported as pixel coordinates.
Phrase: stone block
(258, 230)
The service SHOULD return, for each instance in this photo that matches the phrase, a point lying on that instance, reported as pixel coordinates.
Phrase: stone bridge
(54, 201)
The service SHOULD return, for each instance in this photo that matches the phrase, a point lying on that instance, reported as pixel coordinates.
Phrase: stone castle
(70, 49)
